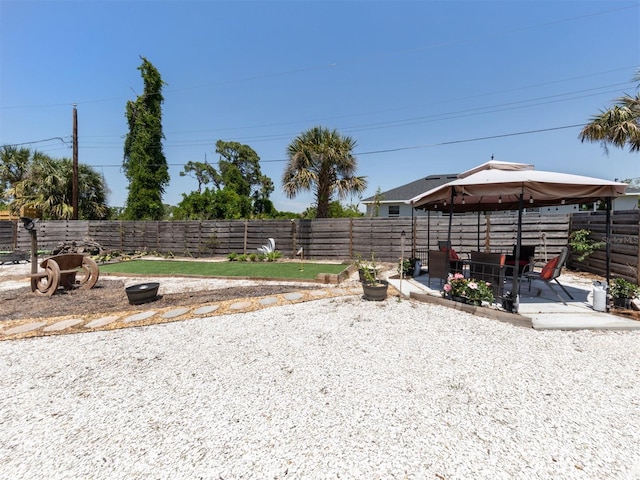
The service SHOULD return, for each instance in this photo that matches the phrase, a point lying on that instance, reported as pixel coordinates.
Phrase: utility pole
(74, 195)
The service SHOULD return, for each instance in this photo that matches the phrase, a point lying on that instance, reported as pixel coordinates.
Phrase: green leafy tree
(212, 204)
(47, 185)
(618, 126)
(238, 179)
(322, 161)
(336, 210)
(145, 165)
(239, 167)
(377, 200)
(262, 205)
(203, 172)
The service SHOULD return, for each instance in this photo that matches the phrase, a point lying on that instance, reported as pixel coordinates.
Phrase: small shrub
(407, 266)
(232, 257)
(582, 245)
(621, 288)
(273, 256)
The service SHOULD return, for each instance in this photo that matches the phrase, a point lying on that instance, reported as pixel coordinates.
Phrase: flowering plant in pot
(469, 290)
(623, 292)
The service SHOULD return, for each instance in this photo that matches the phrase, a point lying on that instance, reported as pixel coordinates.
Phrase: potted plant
(373, 287)
(408, 266)
(364, 267)
(509, 300)
(623, 292)
(405, 268)
(467, 290)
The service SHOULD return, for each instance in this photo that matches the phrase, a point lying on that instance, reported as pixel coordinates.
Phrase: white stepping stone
(27, 327)
(206, 309)
(318, 293)
(268, 301)
(140, 316)
(101, 322)
(175, 313)
(56, 327)
(338, 291)
(240, 305)
(293, 296)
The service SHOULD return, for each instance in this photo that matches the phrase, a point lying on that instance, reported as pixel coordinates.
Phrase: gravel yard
(334, 388)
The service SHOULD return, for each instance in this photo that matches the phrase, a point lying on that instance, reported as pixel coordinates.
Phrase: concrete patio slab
(540, 305)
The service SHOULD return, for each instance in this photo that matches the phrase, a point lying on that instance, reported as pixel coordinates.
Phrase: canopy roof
(498, 185)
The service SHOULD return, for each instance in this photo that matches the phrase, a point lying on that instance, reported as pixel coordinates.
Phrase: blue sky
(423, 87)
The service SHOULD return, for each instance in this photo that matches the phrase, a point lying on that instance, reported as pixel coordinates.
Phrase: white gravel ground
(336, 388)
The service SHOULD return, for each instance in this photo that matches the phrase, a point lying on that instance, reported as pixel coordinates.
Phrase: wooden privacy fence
(344, 238)
(624, 241)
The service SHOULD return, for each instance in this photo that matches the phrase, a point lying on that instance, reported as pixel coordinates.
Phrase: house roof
(413, 189)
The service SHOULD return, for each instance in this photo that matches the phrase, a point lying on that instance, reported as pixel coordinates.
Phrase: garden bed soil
(627, 313)
(109, 296)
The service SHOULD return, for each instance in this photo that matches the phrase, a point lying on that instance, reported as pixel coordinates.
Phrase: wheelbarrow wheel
(47, 283)
(88, 274)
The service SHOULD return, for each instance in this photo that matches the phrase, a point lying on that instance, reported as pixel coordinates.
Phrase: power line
(37, 141)
(476, 139)
(414, 147)
(550, 99)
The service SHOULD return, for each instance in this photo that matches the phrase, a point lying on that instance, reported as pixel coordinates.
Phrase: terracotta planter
(376, 292)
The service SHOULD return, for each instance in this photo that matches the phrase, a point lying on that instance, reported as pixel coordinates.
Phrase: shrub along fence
(344, 238)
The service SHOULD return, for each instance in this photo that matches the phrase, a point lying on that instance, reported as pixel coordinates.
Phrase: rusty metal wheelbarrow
(69, 271)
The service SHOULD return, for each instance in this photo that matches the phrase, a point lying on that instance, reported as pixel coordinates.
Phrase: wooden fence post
(294, 245)
(246, 227)
(487, 235)
(638, 258)
(350, 238)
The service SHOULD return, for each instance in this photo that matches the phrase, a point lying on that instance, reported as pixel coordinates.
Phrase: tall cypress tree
(144, 164)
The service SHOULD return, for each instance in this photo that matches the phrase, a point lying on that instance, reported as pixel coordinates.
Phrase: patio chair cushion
(452, 253)
(547, 270)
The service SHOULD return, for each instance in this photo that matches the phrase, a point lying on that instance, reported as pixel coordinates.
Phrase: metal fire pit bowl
(142, 292)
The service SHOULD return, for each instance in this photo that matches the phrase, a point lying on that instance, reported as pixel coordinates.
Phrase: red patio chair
(549, 272)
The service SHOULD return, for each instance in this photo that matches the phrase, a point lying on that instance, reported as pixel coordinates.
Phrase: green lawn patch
(283, 270)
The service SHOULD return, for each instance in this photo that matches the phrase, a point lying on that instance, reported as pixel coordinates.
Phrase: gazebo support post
(608, 246)
(453, 195)
(516, 270)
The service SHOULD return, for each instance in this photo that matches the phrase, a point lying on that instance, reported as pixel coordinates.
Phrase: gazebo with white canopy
(497, 186)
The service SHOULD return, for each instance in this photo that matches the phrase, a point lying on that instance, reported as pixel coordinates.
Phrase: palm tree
(618, 126)
(48, 187)
(321, 160)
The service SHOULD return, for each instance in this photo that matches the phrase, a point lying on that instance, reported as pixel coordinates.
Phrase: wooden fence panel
(107, 233)
(343, 238)
(327, 238)
(8, 235)
(51, 233)
(624, 241)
